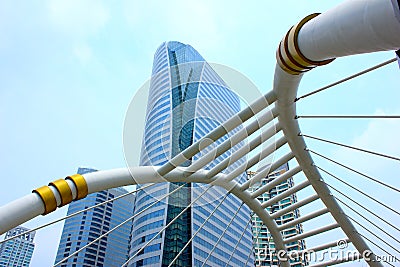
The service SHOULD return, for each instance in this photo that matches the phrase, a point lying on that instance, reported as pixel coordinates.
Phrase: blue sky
(69, 70)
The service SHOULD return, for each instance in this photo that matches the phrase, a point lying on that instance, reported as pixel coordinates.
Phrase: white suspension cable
(223, 233)
(198, 230)
(116, 227)
(241, 152)
(364, 208)
(351, 147)
(256, 238)
(368, 220)
(76, 213)
(372, 233)
(165, 227)
(243, 133)
(372, 242)
(244, 115)
(358, 172)
(266, 170)
(358, 190)
(256, 159)
(237, 243)
(349, 78)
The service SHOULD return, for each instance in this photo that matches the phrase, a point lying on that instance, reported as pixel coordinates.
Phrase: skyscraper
(264, 245)
(187, 99)
(85, 227)
(17, 251)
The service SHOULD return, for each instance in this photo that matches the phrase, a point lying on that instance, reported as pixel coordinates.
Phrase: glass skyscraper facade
(187, 99)
(17, 251)
(85, 227)
(264, 245)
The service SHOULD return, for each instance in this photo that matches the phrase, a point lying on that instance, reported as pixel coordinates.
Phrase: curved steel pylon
(353, 27)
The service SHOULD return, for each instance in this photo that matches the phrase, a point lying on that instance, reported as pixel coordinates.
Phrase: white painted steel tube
(31, 206)
(352, 27)
(19, 211)
(275, 182)
(294, 206)
(318, 248)
(286, 193)
(313, 232)
(234, 140)
(303, 218)
(236, 120)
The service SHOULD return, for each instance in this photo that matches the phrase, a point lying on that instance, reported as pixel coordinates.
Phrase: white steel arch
(353, 27)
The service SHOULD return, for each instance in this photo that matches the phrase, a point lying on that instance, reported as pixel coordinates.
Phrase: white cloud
(380, 136)
(78, 20)
(197, 23)
(83, 52)
(78, 17)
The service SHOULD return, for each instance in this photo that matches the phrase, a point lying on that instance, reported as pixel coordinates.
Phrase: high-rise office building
(264, 246)
(79, 230)
(187, 99)
(17, 251)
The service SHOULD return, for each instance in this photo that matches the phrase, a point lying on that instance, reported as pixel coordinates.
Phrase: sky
(69, 69)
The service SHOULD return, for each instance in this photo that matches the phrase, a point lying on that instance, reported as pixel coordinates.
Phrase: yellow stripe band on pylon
(288, 54)
(65, 191)
(80, 184)
(48, 198)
